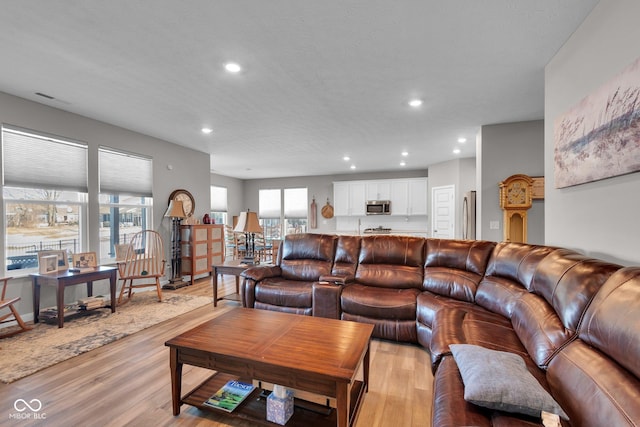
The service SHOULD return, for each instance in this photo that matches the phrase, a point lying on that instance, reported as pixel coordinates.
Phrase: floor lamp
(248, 224)
(175, 211)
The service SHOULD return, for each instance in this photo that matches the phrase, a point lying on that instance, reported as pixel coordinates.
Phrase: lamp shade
(175, 209)
(248, 223)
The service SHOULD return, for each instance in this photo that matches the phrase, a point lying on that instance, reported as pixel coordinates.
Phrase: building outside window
(44, 196)
(126, 200)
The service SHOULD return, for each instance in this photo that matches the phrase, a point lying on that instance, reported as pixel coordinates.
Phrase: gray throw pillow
(501, 380)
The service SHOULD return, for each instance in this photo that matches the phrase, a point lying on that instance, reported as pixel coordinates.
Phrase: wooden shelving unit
(202, 246)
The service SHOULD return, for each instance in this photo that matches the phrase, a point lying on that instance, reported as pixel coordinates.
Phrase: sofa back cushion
(596, 378)
(564, 284)
(307, 256)
(612, 322)
(568, 282)
(509, 275)
(391, 261)
(453, 268)
(346, 258)
(544, 293)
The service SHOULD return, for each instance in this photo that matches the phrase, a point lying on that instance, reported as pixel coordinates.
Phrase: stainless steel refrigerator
(469, 215)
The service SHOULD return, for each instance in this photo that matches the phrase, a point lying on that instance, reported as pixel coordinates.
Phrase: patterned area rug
(46, 344)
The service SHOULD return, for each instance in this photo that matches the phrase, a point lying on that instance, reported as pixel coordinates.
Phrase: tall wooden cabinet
(202, 246)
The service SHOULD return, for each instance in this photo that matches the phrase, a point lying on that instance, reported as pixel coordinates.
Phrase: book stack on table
(50, 314)
(91, 303)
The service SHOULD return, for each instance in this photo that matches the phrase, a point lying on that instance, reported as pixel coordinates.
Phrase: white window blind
(33, 160)
(269, 203)
(218, 199)
(295, 202)
(125, 173)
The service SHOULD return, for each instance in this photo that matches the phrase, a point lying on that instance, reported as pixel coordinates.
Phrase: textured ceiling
(320, 79)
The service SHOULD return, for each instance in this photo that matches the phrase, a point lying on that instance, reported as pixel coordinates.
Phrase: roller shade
(218, 199)
(33, 160)
(125, 173)
(269, 203)
(295, 202)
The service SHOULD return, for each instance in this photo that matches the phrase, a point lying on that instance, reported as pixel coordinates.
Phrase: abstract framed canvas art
(600, 136)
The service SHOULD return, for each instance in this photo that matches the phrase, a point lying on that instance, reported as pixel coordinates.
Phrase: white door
(443, 212)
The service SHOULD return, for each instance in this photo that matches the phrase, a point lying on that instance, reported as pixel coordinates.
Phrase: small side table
(232, 267)
(62, 279)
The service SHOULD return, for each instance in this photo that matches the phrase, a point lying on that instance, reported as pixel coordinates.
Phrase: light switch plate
(494, 225)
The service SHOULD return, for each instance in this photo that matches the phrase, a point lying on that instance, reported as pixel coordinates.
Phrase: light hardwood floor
(127, 382)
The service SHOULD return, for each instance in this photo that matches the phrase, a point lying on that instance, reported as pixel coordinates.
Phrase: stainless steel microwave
(378, 207)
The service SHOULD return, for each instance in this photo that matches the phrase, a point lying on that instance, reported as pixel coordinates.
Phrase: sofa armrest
(326, 300)
(338, 279)
(447, 329)
(261, 272)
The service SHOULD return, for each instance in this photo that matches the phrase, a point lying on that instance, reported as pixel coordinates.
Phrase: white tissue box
(279, 410)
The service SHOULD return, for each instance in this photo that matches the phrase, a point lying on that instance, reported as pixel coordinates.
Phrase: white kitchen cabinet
(417, 199)
(399, 197)
(357, 198)
(349, 198)
(341, 202)
(378, 190)
(408, 196)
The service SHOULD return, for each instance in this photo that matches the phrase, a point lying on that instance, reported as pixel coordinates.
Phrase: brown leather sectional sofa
(574, 320)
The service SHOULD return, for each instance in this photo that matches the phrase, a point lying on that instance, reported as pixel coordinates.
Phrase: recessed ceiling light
(456, 151)
(405, 153)
(232, 67)
(353, 166)
(346, 158)
(207, 130)
(403, 163)
(462, 140)
(415, 103)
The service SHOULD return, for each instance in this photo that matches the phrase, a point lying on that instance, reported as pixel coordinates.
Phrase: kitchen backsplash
(397, 224)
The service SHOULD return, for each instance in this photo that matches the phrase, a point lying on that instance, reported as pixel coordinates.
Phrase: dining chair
(143, 262)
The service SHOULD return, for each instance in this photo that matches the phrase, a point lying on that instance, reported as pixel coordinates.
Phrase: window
(125, 198)
(269, 209)
(44, 187)
(219, 204)
(295, 210)
(273, 214)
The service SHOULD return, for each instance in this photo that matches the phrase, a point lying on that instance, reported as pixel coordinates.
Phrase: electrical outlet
(494, 225)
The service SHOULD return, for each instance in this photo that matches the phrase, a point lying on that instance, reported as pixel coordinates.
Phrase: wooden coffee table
(312, 354)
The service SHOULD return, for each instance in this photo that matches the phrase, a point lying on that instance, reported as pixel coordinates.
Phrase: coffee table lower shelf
(254, 407)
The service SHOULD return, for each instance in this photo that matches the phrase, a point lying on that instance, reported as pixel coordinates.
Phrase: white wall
(508, 149)
(190, 170)
(235, 194)
(461, 173)
(599, 218)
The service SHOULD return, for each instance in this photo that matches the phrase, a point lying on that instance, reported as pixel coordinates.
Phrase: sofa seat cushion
(450, 408)
(501, 380)
(473, 325)
(394, 330)
(286, 293)
(305, 311)
(379, 303)
(429, 304)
